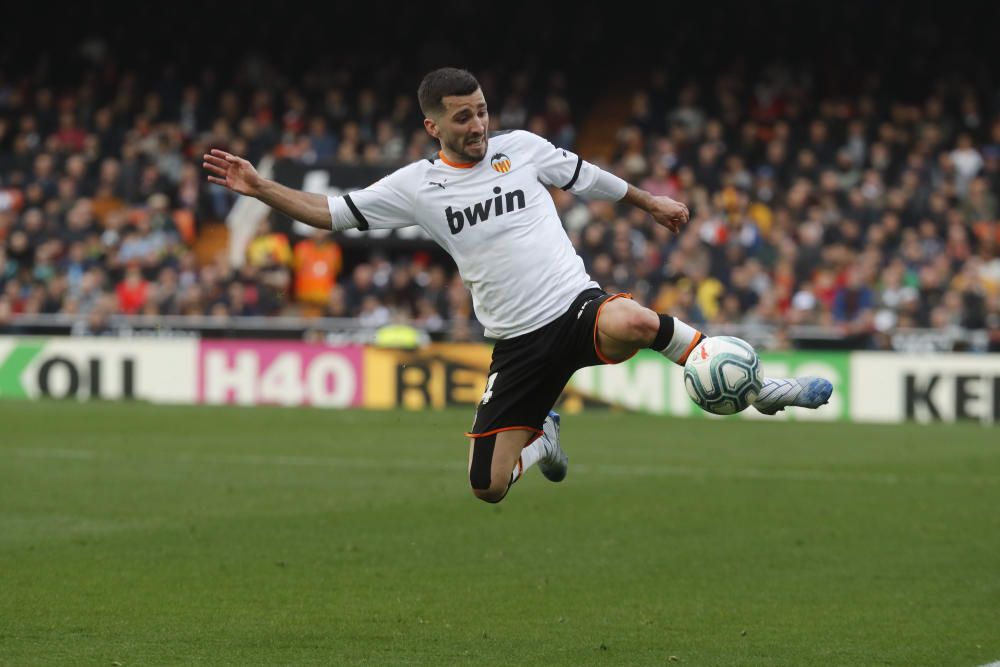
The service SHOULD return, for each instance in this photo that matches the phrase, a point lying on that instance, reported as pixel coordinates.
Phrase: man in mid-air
(484, 200)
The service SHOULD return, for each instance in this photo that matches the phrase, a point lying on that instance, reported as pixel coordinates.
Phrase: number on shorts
(488, 394)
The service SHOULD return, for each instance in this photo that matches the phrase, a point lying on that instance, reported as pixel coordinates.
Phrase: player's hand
(231, 171)
(670, 213)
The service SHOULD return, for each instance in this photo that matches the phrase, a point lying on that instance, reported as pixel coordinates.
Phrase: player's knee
(492, 494)
(490, 489)
(628, 322)
(642, 325)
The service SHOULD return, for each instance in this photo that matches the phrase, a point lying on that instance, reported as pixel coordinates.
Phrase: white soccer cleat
(554, 463)
(779, 393)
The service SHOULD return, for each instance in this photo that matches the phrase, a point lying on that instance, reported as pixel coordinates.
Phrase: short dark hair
(440, 84)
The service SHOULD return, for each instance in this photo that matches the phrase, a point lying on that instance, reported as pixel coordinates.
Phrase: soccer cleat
(780, 393)
(554, 463)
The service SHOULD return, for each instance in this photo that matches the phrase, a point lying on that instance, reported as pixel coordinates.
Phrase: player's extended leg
(497, 460)
(624, 327)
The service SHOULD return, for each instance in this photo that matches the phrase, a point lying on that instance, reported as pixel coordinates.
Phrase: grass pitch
(142, 535)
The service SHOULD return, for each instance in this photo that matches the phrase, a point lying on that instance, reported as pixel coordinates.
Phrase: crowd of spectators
(861, 213)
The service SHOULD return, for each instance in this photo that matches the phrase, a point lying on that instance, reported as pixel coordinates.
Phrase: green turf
(141, 535)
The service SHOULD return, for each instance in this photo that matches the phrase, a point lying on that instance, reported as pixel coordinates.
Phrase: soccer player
(484, 200)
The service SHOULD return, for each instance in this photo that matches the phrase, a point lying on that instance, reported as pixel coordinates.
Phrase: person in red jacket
(132, 291)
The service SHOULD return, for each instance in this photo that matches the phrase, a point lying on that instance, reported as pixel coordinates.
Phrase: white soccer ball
(722, 375)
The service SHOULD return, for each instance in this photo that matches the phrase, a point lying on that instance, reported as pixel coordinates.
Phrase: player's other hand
(670, 213)
(231, 171)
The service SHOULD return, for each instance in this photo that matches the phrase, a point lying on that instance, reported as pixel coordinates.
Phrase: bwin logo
(512, 201)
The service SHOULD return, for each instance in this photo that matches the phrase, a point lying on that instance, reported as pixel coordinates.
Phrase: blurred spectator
(132, 291)
(317, 262)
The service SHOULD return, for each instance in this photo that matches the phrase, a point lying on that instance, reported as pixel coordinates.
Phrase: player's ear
(431, 127)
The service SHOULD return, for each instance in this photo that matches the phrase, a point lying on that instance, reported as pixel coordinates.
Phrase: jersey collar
(456, 165)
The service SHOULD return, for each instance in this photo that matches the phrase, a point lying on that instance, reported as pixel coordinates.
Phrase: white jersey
(497, 221)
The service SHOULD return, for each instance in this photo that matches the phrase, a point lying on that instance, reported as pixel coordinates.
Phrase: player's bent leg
(499, 459)
(493, 459)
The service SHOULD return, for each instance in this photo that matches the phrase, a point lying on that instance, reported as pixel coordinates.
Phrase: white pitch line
(618, 470)
(336, 462)
(52, 453)
(649, 470)
(734, 473)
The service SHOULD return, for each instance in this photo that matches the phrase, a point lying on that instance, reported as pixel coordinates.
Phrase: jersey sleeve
(565, 169)
(385, 204)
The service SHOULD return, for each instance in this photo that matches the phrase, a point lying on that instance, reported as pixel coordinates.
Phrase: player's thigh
(507, 448)
(623, 326)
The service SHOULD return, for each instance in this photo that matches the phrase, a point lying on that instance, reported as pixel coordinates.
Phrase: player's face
(463, 126)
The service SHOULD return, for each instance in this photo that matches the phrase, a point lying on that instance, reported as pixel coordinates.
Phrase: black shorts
(529, 372)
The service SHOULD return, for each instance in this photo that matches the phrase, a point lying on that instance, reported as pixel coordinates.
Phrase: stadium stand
(823, 211)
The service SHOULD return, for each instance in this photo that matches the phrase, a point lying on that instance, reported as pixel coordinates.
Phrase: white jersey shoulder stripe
(362, 222)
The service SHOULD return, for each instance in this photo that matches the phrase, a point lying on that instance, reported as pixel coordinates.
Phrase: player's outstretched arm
(240, 176)
(668, 212)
